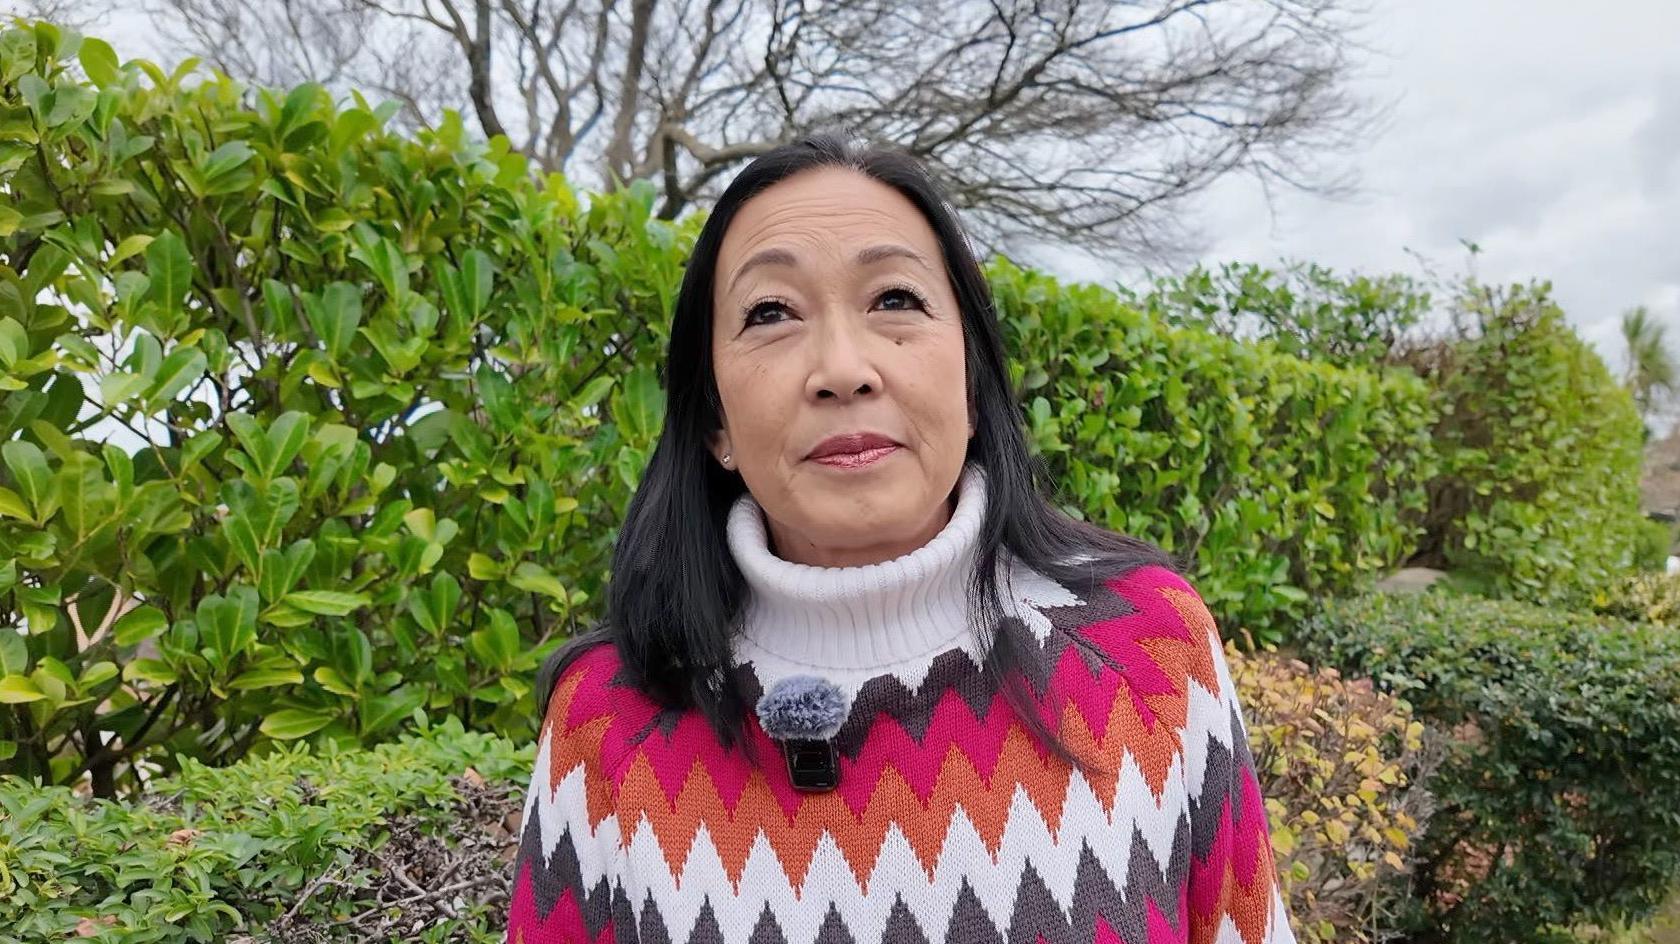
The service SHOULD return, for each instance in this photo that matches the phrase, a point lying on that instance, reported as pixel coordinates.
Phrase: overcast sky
(1546, 131)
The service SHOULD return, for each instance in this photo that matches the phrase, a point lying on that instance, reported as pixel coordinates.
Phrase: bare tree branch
(1072, 121)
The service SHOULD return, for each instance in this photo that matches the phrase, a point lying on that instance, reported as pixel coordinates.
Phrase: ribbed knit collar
(870, 616)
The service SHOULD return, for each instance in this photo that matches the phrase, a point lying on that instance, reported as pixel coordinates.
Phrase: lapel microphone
(803, 713)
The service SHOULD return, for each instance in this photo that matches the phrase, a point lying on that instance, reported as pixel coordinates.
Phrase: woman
(858, 680)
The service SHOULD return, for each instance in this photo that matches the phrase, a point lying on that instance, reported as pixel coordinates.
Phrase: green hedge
(1560, 800)
(1536, 495)
(1282, 478)
(313, 430)
(301, 844)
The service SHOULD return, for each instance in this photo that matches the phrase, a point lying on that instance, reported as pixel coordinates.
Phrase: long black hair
(676, 594)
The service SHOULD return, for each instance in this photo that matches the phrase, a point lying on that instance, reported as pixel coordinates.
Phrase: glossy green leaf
(265, 678)
(99, 61)
(139, 624)
(169, 267)
(291, 723)
(326, 602)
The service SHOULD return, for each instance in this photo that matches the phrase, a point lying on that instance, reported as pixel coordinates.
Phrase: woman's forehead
(821, 211)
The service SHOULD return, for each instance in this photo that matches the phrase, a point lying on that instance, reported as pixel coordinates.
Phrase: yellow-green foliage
(1643, 598)
(1343, 768)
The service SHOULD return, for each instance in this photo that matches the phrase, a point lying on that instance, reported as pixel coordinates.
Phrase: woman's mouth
(855, 460)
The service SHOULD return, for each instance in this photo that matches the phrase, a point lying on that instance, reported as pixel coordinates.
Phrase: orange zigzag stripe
(676, 821)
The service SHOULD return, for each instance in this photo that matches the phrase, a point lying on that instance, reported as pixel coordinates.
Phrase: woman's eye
(906, 298)
(762, 308)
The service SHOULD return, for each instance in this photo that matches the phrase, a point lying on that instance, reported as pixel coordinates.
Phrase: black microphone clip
(803, 713)
(812, 765)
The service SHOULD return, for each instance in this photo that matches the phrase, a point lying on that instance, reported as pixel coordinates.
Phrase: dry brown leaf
(89, 927)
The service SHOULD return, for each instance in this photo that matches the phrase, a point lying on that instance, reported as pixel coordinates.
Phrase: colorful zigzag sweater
(950, 822)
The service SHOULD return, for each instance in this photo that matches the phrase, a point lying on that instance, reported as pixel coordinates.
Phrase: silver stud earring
(726, 458)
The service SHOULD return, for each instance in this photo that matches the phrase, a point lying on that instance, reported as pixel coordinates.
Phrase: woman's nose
(841, 365)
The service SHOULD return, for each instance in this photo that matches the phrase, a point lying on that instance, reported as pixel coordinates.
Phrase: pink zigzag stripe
(564, 923)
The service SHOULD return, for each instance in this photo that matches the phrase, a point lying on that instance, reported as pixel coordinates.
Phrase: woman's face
(832, 315)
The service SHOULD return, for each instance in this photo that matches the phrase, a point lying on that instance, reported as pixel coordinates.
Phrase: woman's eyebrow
(869, 255)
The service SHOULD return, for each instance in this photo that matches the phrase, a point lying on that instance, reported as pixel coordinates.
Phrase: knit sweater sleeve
(1234, 893)
(564, 884)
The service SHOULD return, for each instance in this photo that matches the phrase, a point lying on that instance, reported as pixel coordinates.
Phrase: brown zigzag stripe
(1097, 603)
(970, 924)
(767, 931)
(913, 710)
(833, 930)
(1096, 894)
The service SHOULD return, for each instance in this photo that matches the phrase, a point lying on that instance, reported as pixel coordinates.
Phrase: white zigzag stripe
(897, 871)
(1207, 714)
(564, 806)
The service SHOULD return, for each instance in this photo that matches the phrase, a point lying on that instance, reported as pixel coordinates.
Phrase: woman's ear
(718, 443)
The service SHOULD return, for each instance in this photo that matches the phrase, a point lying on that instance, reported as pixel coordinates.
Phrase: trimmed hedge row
(1536, 494)
(1560, 797)
(1282, 479)
(382, 400)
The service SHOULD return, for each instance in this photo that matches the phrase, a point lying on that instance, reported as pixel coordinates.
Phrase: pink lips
(855, 460)
(852, 450)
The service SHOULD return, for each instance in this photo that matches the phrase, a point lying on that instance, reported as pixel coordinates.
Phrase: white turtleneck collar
(863, 620)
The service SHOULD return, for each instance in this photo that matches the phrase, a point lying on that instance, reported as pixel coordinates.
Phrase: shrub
(1280, 479)
(322, 844)
(1538, 493)
(1560, 795)
(308, 846)
(309, 428)
(1344, 769)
